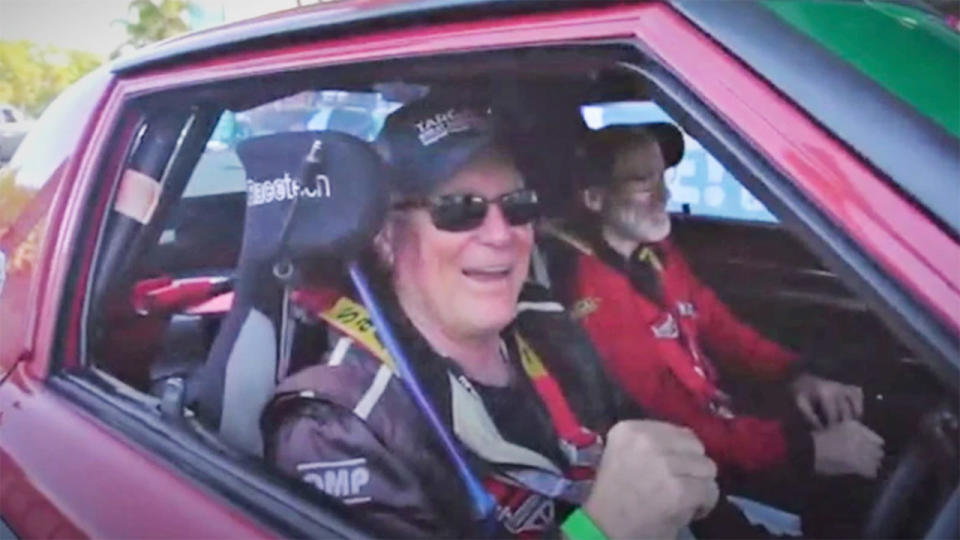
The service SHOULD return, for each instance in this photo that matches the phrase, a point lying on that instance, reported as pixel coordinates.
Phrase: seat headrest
(331, 205)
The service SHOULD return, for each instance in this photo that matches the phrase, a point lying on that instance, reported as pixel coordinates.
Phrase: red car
(121, 228)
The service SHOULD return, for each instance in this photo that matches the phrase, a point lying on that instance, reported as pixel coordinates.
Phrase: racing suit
(349, 428)
(659, 330)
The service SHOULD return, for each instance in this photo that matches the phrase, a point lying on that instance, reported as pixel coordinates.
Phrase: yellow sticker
(529, 359)
(353, 320)
(650, 256)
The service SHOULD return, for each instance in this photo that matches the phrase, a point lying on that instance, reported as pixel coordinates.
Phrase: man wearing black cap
(504, 368)
(659, 329)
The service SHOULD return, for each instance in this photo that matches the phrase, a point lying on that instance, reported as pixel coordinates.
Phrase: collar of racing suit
(643, 267)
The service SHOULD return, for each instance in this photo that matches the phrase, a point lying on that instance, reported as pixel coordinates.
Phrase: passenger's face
(635, 204)
(467, 283)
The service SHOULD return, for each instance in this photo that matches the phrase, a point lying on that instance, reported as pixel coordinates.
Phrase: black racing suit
(349, 428)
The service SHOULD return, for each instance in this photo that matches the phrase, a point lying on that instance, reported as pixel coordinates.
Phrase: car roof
(331, 18)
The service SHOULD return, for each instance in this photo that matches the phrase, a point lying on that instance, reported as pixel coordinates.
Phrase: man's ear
(383, 243)
(593, 198)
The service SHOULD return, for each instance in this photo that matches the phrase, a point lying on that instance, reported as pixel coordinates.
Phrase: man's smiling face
(466, 282)
(634, 205)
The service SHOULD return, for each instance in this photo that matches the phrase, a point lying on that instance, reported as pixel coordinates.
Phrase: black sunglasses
(463, 212)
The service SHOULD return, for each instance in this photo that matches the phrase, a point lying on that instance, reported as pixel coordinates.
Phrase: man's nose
(495, 228)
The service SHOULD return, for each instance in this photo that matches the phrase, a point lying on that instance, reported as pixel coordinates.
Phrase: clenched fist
(654, 479)
(847, 448)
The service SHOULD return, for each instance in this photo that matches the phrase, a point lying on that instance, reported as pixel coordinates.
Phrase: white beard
(638, 224)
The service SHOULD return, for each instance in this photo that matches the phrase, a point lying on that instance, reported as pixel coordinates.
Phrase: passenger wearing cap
(660, 331)
(509, 373)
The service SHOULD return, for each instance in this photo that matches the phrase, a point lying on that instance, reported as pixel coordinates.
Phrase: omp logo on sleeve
(344, 479)
(285, 188)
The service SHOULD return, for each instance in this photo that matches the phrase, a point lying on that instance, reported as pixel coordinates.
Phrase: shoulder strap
(564, 421)
(566, 236)
(353, 320)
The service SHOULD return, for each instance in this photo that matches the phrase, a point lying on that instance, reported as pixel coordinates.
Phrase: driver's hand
(839, 402)
(847, 448)
(654, 479)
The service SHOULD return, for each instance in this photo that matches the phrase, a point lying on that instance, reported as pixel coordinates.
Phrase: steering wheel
(932, 453)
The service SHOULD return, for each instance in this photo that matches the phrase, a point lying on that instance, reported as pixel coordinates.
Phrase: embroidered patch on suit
(686, 309)
(666, 327)
(584, 307)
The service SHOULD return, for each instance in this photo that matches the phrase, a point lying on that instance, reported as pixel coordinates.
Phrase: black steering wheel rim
(932, 446)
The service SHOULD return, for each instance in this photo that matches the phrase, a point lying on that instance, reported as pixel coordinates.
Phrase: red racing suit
(662, 352)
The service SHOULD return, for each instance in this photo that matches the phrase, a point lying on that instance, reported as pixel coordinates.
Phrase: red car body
(67, 472)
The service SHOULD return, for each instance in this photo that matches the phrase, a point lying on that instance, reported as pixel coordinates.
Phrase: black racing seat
(292, 227)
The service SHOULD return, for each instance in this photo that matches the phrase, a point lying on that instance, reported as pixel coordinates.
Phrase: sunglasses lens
(521, 207)
(458, 213)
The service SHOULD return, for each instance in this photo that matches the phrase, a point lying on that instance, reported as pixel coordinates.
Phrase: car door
(65, 472)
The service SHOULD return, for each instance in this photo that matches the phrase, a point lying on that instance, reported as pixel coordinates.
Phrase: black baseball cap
(428, 141)
(603, 144)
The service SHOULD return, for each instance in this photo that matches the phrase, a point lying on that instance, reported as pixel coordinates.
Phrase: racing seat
(291, 227)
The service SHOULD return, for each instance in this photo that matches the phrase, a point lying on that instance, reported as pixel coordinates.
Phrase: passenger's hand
(847, 448)
(839, 402)
(654, 479)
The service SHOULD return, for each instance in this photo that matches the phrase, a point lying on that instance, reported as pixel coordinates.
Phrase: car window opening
(231, 186)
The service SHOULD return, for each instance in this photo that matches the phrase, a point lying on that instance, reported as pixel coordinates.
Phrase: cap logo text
(440, 125)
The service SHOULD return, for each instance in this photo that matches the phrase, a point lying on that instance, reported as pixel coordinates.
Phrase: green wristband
(579, 526)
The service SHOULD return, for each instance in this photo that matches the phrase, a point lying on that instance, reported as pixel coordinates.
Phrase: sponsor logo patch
(346, 479)
(686, 309)
(530, 514)
(666, 327)
(285, 188)
(584, 307)
(722, 410)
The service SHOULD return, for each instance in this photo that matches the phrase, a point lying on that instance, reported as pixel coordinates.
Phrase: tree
(31, 75)
(153, 20)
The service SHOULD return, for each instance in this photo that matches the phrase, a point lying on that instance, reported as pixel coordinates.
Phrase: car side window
(699, 185)
(219, 171)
